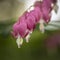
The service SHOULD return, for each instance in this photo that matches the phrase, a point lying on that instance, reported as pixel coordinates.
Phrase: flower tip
(41, 26)
(42, 31)
(19, 41)
(19, 46)
(27, 38)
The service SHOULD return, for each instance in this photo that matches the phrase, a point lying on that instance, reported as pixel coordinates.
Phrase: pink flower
(20, 27)
(33, 18)
(41, 13)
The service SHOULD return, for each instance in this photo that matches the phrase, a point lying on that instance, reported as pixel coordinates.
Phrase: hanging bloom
(20, 30)
(40, 13)
(46, 7)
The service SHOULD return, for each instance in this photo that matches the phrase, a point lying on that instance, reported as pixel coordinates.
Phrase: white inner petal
(41, 21)
(41, 26)
(19, 41)
(31, 8)
(28, 36)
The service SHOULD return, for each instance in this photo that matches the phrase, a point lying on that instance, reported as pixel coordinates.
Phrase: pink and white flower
(39, 13)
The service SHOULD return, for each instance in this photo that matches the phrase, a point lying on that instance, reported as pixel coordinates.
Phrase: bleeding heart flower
(39, 13)
(46, 7)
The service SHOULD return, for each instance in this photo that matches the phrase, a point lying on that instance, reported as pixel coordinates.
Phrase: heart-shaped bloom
(40, 13)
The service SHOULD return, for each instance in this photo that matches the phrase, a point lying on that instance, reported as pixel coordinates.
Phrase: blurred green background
(38, 48)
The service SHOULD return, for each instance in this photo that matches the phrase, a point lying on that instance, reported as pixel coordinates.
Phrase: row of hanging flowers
(39, 13)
